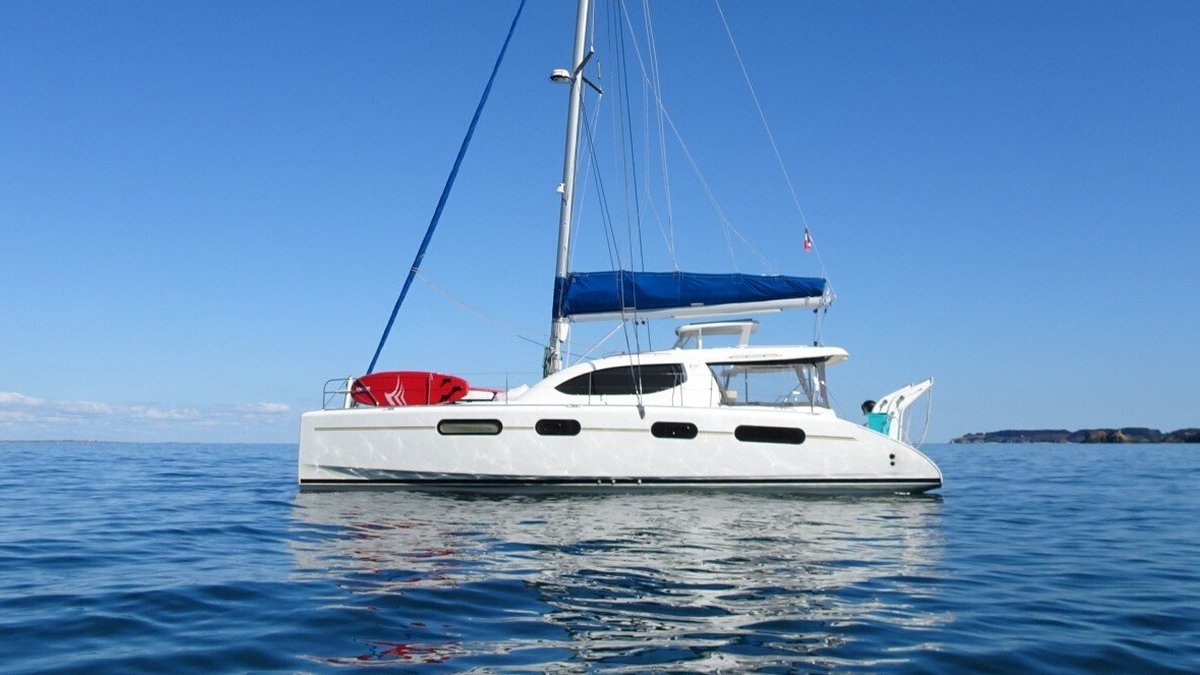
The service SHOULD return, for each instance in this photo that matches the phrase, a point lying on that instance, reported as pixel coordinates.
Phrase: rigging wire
(577, 216)
(767, 127)
(629, 160)
(624, 145)
(614, 252)
(592, 170)
(602, 340)
(610, 237)
(727, 226)
(623, 153)
(659, 221)
(648, 193)
(437, 212)
(656, 84)
(632, 162)
(499, 325)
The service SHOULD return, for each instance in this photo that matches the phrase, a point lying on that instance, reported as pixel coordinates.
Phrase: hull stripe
(499, 482)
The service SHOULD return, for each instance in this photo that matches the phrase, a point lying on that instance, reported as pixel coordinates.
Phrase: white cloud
(85, 408)
(145, 412)
(30, 417)
(264, 408)
(15, 416)
(13, 398)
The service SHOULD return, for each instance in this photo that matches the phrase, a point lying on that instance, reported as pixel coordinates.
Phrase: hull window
(557, 427)
(469, 427)
(674, 430)
(752, 434)
(625, 381)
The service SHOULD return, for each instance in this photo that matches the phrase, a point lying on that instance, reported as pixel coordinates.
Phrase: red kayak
(408, 387)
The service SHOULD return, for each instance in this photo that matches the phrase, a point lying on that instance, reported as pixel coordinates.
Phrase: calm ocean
(130, 558)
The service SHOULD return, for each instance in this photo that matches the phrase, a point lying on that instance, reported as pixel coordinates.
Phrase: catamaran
(714, 411)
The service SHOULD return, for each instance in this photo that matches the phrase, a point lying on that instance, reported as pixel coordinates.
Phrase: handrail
(342, 389)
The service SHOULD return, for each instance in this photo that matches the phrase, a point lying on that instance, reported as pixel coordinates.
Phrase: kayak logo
(396, 396)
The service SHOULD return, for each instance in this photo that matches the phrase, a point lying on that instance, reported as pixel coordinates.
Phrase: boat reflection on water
(693, 581)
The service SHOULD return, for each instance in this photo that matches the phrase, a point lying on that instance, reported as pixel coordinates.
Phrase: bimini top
(592, 296)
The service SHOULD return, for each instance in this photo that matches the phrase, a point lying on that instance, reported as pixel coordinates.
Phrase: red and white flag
(807, 241)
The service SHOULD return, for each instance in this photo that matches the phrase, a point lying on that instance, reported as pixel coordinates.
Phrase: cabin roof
(749, 354)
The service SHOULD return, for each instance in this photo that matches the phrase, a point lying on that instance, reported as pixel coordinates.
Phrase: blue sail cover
(583, 294)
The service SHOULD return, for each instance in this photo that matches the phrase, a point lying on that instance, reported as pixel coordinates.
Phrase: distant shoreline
(1122, 435)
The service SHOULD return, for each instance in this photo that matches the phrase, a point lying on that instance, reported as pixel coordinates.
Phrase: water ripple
(194, 558)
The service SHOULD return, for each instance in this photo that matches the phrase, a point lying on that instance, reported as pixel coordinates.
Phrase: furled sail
(588, 296)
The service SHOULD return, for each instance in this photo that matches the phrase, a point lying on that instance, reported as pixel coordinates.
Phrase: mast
(559, 325)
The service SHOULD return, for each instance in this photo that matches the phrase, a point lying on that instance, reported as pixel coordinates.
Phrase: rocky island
(1123, 435)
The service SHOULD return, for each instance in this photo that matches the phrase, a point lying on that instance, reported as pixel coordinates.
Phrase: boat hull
(555, 448)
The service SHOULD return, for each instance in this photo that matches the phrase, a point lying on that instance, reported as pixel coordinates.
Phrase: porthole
(674, 430)
(469, 427)
(753, 434)
(557, 427)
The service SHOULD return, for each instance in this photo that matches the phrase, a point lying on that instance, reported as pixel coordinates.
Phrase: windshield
(775, 383)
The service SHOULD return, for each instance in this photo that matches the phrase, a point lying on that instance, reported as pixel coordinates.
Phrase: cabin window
(557, 427)
(674, 430)
(624, 380)
(469, 427)
(773, 383)
(754, 434)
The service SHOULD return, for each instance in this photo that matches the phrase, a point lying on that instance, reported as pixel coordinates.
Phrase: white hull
(614, 449)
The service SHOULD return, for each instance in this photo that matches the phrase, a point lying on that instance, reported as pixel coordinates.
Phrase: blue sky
(207, 209)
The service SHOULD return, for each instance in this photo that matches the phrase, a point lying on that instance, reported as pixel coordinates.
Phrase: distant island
(1125, 435)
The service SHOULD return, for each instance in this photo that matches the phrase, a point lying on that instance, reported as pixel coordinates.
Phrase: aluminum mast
(559, 325)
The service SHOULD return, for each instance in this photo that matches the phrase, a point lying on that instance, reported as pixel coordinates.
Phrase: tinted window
(557, 427)
(754, 434)
(674, 429)
(623, 380)
(469, 427)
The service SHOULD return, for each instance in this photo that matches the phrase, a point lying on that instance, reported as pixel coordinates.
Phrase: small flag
(807, 241)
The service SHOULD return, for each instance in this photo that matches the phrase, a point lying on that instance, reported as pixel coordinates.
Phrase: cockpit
(794, 382)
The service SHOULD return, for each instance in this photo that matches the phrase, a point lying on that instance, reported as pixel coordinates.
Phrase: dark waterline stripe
(617, 481)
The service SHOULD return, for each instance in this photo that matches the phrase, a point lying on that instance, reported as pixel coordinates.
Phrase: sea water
(204, 558)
